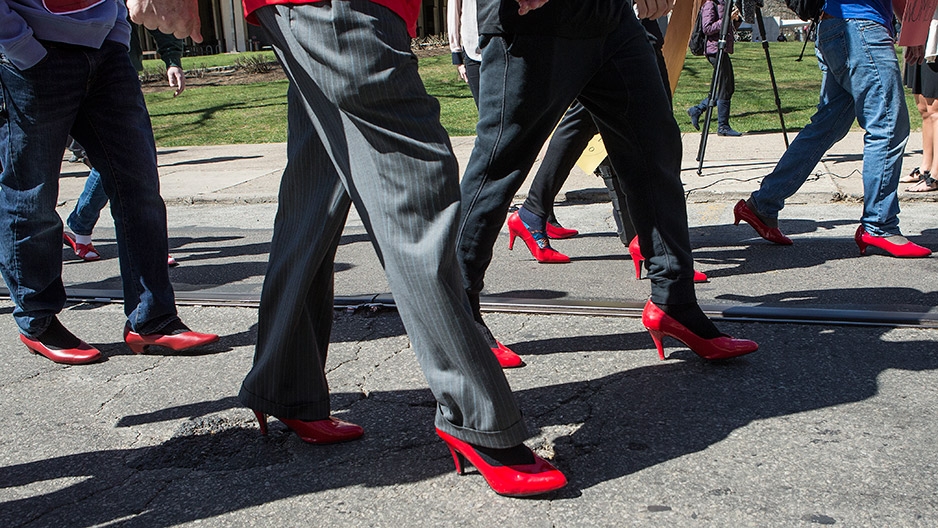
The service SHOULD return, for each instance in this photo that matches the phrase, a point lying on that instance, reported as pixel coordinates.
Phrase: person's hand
(461, 70)
(734, 14)
(652, 9)
(178, 17)
(915, 54)
(177, 79)
(524, 6)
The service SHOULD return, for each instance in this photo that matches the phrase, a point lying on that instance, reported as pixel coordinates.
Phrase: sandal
(928, 184)
(914, 177)
(86, 252)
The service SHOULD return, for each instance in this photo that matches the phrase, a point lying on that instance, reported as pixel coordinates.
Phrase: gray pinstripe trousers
(363, 130)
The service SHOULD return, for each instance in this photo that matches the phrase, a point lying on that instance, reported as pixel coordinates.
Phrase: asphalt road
(825, 424)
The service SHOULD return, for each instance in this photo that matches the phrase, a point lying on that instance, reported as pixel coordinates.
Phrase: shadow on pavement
(629, 421)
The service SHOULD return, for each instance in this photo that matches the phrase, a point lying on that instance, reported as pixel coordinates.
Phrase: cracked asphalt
(827, 424)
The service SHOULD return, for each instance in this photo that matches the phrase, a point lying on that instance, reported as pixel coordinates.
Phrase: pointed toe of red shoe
(506, 357)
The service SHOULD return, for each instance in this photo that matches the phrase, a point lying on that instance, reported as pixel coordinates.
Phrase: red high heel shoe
(514, 481)
(559, 232)
(181, 341)
(772, 234)
(907, 250)
(660, 324)
(86, 252)
(635, 251)
(545, 254)
(506, 357)
(60, 345)
(328, 431)
(79, 355)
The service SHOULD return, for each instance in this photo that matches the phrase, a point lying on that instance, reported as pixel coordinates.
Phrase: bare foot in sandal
(913, 177)
(928, 184)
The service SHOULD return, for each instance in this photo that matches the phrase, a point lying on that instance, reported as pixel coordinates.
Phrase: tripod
(715, 81)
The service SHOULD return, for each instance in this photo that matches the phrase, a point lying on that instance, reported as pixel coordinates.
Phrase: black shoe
(727, 131)
(694, 113)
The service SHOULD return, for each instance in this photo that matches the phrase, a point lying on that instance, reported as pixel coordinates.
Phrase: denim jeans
(95, 95)
(528, 82)
(88, 208)
(860, 79)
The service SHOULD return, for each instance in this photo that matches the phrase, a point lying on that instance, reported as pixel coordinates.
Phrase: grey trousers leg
(363, 131)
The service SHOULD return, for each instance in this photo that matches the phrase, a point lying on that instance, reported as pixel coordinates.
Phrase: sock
(536, 226)
(82, 239)
(512, 456)
(533, 222)
(173, 328)
(57, 336)
(692, 317)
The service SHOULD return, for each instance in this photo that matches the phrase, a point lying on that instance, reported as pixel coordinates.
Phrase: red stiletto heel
(515, 481)
(262, 421)
(559, 232)
(544, 254)
(635, 251)
(907, 250)
(328, 431)
(178, 342)
(772, 234)
(660, 324)
(506, 357)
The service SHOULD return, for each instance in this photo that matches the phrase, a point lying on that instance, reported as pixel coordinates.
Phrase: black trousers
(522, 97)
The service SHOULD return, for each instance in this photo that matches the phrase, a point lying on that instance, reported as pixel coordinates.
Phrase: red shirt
(406, 9)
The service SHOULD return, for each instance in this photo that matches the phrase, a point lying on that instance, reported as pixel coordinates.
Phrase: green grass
(753, 106)
(256, 113)
(211, 61)
(219, 115)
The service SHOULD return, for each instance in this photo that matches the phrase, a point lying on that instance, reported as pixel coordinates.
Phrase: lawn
(256, 112)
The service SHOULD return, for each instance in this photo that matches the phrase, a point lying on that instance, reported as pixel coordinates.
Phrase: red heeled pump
(660, 324)
(545, 254)
(328, 431)
(772, 234)
(559, 232)
(506, 357)
(86, 252)
(515, 481)
(181, 341)
(635, 251)
(907, 250)
(79, 355)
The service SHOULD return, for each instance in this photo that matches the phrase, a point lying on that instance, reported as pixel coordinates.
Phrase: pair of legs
(923, 80)
(609, 76)
(725, 80)
(928, 108)
(567, 143)
(86, 214)
(860, 79)
(362, 130)
(95, 96)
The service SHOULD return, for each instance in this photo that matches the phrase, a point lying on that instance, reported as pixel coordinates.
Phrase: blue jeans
(88, 208)
(860, 79)
(95, 95)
